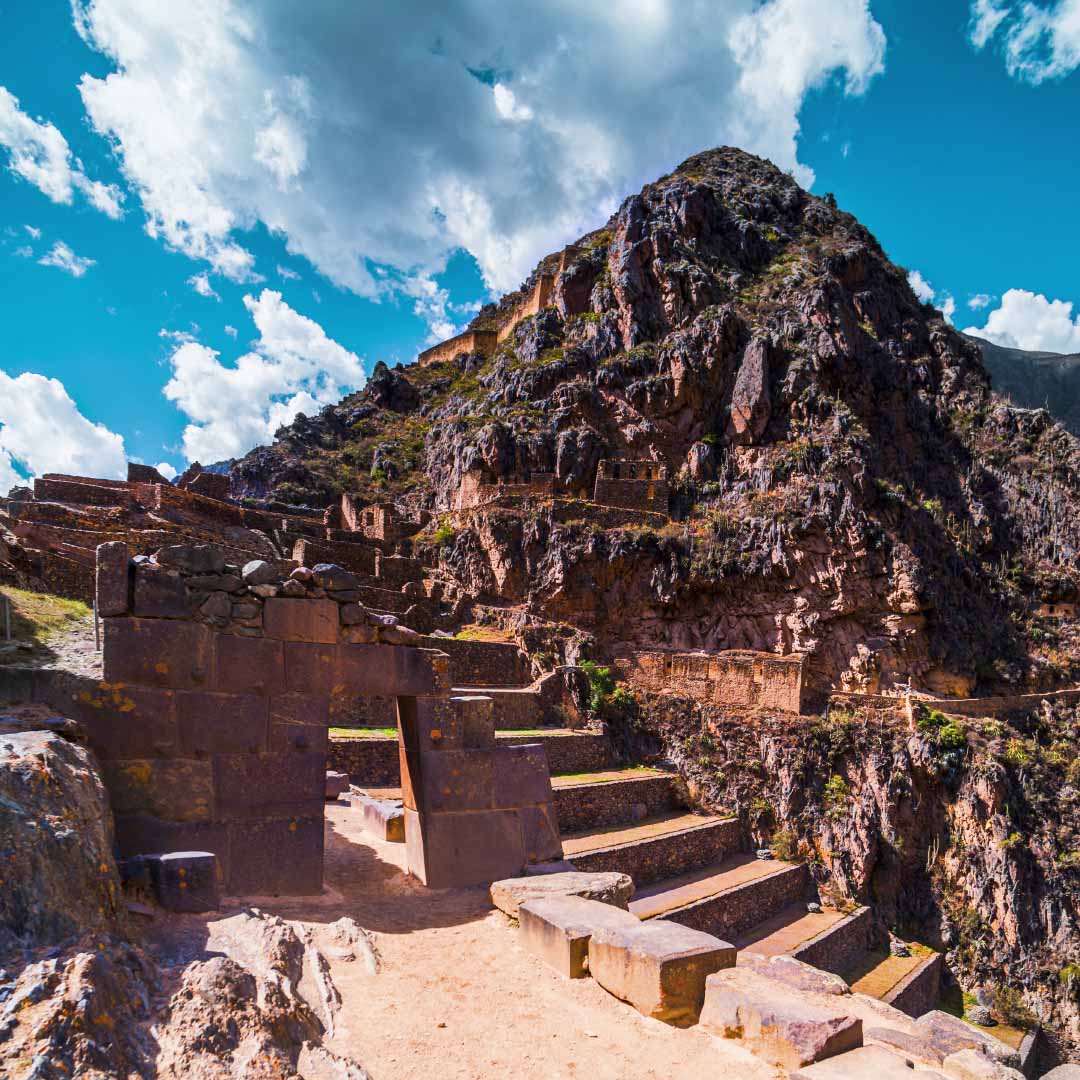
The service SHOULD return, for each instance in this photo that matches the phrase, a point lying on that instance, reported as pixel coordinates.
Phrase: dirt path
(458, 999)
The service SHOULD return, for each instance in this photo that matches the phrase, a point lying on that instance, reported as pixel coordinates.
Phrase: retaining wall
(917, 992)
(483, 663)
(839, 947)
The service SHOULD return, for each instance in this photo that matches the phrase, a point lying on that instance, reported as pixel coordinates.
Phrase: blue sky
(186, 187)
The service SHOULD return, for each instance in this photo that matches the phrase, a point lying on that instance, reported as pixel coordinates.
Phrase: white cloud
(201, 284)
(921, 287)
(287, 274)
(948, 307)
(35, 233)
(1040, 40)
(294, 367)
(980, 301)
(1026, 320)
(42, 429)
(166, 470)
(63, 258)
(24, 252)
(231, 331)
(308, 126)
(40, 154)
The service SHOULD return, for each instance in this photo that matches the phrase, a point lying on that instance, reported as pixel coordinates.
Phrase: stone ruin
(738, 677)
(633, 485)
(211, 722)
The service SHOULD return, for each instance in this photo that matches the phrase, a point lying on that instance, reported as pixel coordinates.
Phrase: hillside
(843, 480)
(1036, 380)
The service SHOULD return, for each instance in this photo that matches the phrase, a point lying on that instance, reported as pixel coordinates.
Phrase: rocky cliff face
(845, 481)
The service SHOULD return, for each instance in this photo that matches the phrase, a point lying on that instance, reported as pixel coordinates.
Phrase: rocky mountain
(1036, 380)
(844, 480)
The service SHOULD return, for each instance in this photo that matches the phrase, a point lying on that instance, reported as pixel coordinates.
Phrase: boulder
(785, 1027)
(751, 405)
(332, 577)
(657, 966)
(794, 974)
(260, 572)
(949, 1034)
(975, 1065)
(558, 930)
(1063, 1072)
(337, 783)
(608, 888)
(865, 1063)
(913, 1047)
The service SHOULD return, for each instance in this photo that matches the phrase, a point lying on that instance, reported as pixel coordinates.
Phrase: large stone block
(247, 665)
(949, 1034)
(430, 723)
(975, 1065)
(794, 974)
(269, 785)
(301, 620)
(113, 578)
(785, 1027)
(659, 967)
(456, 780)
(160, 593)
(383, 818)
(158, 652)
(171, 789)
(185, 880)
(477, 714)
(521, 775)
(540, 833)
(212, 723)
(312, 669)
(125, 721)
(386, 669)
(411, 784)
(299, 722)
(865, 1063)
(456, 850)
(609, 887)
(280, 857)
(144, 834)
(558, 929)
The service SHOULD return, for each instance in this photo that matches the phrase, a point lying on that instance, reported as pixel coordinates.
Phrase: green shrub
(836, 796)
(785, 845)
(601, 683)
(1010, 1006)
(444, 534)
(944, 732)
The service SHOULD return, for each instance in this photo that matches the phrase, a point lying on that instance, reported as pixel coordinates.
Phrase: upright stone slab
(113, 578)
(185, 880)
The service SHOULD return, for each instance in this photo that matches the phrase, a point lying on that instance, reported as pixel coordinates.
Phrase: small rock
(331, 576)
(384, 620)
(398, 635)
(303, 574)
(246, 609)
(265, 591)
(609, 887)
(763, 853)
(293, 588)
(353, 615)
(899, 948)
(217, 606)
(813, 908)
(259, 572)
(979, 1014)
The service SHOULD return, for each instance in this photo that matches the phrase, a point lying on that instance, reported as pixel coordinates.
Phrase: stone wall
(539, 299)
(376, 521)
(917, 992)
(483, 663)
(475, 491)
(839, 947)
(471, 341)
(635, 485)
(356, 557)
(733, 677)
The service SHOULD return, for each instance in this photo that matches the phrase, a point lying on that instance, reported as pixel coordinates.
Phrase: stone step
(727, 898)
(656, 848)
(788, 930)
(613, 797)
(908, 983)
(371, 756)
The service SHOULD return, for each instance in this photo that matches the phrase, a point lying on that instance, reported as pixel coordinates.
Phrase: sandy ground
(458, 999)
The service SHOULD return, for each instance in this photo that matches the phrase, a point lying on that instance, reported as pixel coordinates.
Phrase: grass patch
(363, 733)
(484, 633)
(39, 617)
(603, 777)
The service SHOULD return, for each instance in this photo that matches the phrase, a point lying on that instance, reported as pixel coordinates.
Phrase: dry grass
(38, 617)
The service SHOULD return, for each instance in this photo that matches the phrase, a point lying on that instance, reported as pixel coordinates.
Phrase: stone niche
(213, 733)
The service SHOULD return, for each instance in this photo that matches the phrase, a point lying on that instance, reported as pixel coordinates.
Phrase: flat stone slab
(914, 1047)
(794, 974)
(950, 1034)
(337, 783)
(557, 929)
(782, 1026)
(608, 888)
(865, 1063)
(976, 1065)
(383, 818)
(1063, 1072)
(659, 967)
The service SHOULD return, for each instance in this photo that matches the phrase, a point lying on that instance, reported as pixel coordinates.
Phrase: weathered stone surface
(260, 572)
(185, 880)
(172, 789)
(280, 856)
(540, 833)
(913, 1047)
(383, 818)
(113, 578)
(192, 558)
(477, 714)
(794, 974)
(121, 720)
(210, 723)
(750, 401)
(1063, 1072)
(557, 929)
(58, 874)
(160, 593)
(249, 665)
(657, 966)
(299, 722)
(456, 780)
(454, 850)
(269, 785)
(330, 576)
(785, 1027)
(865, 1063)
(301, 620)
(521, 775)
(607, 888)
(975, 1065)
(157, 652)
(950, 1034)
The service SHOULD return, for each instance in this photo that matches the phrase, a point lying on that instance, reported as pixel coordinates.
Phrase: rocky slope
(845, 480)
(1036, 380)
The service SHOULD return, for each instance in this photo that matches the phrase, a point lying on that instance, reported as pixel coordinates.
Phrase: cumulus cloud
(921, 287)
(42, 430)
(231, 331)
(39, 153)
(1040, 41)
(287, 274)
(1026, 320)
(63, 258)
(293, 367)
(166, 470)
(307, 125)
(201, 284)
(980, 301)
